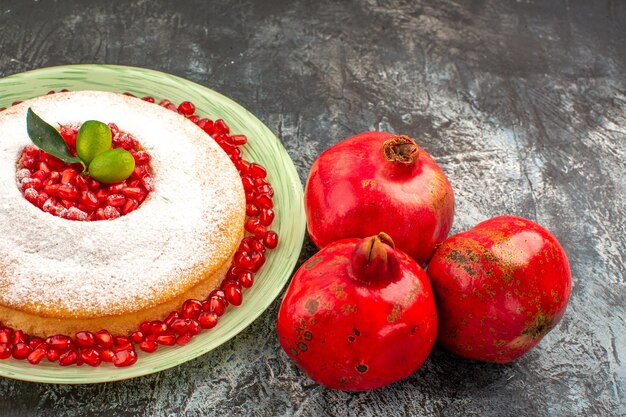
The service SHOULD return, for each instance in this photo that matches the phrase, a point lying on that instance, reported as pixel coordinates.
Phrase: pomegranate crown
(374, 260)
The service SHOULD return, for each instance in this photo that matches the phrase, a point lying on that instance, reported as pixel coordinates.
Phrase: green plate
(263, 147)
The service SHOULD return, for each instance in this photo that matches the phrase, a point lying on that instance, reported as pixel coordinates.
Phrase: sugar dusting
(90, 268)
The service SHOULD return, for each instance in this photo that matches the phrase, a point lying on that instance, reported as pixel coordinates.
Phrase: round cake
(59, 276)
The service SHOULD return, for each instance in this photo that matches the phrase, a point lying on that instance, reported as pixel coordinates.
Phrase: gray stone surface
(521, 102)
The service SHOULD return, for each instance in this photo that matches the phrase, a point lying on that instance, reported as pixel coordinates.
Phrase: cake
(59, 276)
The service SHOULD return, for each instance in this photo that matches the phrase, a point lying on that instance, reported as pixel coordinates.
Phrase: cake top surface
(188, 226)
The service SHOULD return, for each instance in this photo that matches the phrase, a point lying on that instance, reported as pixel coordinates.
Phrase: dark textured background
(521, 102)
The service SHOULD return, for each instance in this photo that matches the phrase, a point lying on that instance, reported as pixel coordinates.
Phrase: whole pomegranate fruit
(500, 287)
(358, 315)
(379, 181)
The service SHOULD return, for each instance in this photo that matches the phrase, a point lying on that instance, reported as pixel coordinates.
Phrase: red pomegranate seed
(270, 240)
(37, 355)
(246, 279)
(217, 305)
(166, 339)
(258, 259)
(67, 192)
(137, 337)
(68, 358)
(35, 342)
(20, 337)
(194, 327)
(208, 320)
(68, 176)
(263, 201)
(52, 354)
(251, 210)
(59, 343)
(21, 350)
(5, 350)
(116, 200)
(180, 326)
(111, 213)
(194, 118)
(148, 99)
(82, 182)
(141, 158)
(90, 356)
(221, 127)
(121, 343)
(129, 206)
(89, 200)
(128, 94)
(85, 339)
(107, 355)
(31, 183)
(6, 336)
(267, 216)
(259, 231)
(117, 188)
(170, 318)
(191, 309)
(124, 358)
(186, 108)
(183, 339)
(257, 170)
(251, 224)
(104, 339)
(158, 327)
(41, 175)
(238, 140)
(233, 292)
(248, 183)
(148, 346)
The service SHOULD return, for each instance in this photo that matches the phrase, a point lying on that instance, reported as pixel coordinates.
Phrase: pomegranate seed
(257, 170)
(194, 118)
(251, 224)
(76, 214)
(258, 259)
(186, 108)
(208, 320)
(41, 175)
(68, 176)
(6, 336)
(221, 127)
(246, 279)
(31, 195)
(263, 201)
(67, 204)
(148, 99)
(116, 200)
(141, 158)
(59, 343)
(100, 214)
(248, 183)
(238, 140)
(35, 342)
(194, 327)
(89, 199)
(137, 337)
(183, 339)
(121, 343)
(259, 231)
(180, 326)
(5, 350)
(158, 327)
(68, 358)
(170, 318)
(82, 182)
(217, 305)
(270, 240)
(67, 192)
(94, 185)
(166, 339)
(267, 216)
(233, 292)
(107, 355)
(37, 355)
(52, 354)
(90, 356)
(256, 245)
(21, 350)
(20, 337)
(125, 358)
(111, 213)
(117, 188)
(85, 339)
(128, 94)
(251, 210)
(104, 339)
(191, 309)
(129, 206)
(31, 183)
(148, 346)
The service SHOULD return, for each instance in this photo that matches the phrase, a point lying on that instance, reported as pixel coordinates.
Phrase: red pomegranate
(358, 315)
(379, 181)
(500, 287)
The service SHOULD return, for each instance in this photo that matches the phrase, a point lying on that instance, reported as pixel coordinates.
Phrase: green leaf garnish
(47, 138)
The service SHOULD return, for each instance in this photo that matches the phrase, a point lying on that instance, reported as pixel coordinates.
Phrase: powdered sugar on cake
(51, 264)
